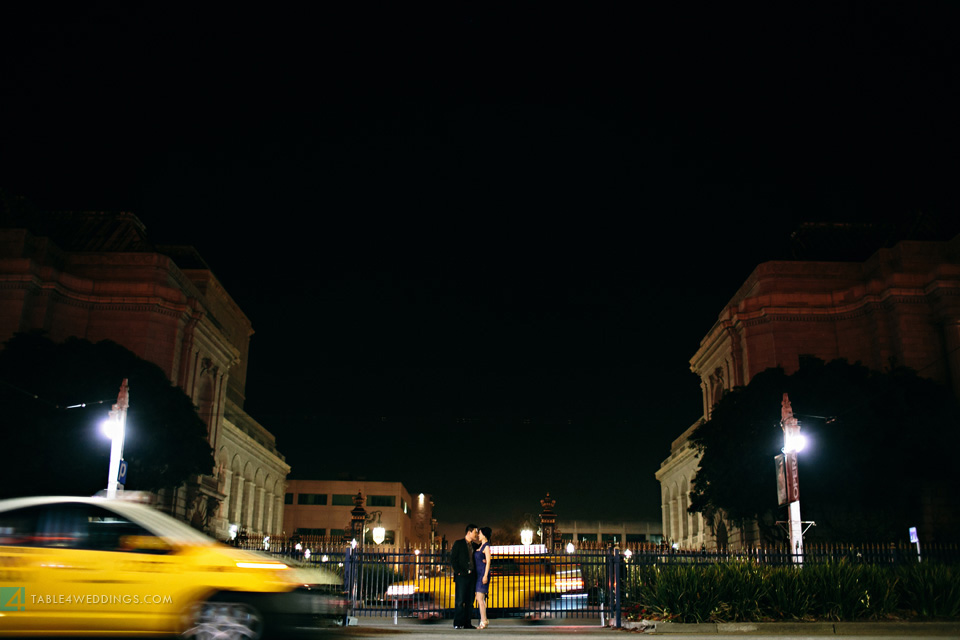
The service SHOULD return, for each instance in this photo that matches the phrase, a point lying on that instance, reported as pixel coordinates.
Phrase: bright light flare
(111, 428)
(401, 590)
(276, 566)
(794, 443)
(569, 584)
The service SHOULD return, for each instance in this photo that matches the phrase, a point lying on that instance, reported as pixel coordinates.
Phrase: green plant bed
(749, 592)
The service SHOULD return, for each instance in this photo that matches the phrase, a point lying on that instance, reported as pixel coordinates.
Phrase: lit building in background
(899, 306)
(97, 276)
(322, 508)
(612, 532)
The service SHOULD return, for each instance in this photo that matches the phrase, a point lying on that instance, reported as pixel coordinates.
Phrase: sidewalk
(897, 629)
(513, 626)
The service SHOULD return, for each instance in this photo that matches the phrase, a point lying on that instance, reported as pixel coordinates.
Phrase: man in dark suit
(465, 577)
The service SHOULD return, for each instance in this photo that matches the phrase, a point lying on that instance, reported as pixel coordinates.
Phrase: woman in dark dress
(482, 559)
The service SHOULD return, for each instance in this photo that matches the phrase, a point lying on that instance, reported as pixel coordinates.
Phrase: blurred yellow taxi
(92, 566)
(521, 576)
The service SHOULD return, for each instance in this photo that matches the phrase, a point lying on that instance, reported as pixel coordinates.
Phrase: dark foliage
(880, 447)
(51, 449)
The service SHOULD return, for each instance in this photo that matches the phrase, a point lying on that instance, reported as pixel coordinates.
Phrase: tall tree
(880, 448)
(54, 446)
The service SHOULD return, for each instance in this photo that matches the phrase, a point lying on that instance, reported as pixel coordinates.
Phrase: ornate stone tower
(358, 516)
(548, 524)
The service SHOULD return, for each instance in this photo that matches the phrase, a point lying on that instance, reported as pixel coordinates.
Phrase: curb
(948, 629)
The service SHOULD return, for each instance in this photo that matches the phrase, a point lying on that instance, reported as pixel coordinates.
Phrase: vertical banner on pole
(915, 539)
(781, 480)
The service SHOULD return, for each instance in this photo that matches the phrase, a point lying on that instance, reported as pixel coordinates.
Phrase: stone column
(249, 499)
(237, 515)
(678, 521)
(258, 513)
(705, 393)
(228, 492)
(665, 514)
(278, 513)
(268, 514)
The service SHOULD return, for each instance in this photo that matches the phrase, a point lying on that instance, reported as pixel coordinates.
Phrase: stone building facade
(322, 509)
(630, 532)
(97, 276)
(899, 307)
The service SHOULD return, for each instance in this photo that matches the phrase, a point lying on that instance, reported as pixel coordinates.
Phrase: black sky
(517, 221)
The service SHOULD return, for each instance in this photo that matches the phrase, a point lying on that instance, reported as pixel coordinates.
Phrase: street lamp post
(793, 441)
(117, 426)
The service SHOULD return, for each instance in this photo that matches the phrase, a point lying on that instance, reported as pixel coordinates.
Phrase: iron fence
(874, 554)
(588, 583)
(418, 582)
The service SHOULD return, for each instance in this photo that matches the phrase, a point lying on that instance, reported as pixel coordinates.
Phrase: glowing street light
(794, 442)
(379, 533)
(526, 536)
(115, 428)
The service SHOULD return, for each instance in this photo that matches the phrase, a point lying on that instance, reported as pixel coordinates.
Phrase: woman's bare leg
(482, 605)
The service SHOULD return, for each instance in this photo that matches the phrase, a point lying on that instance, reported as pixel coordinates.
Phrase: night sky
(479, 245)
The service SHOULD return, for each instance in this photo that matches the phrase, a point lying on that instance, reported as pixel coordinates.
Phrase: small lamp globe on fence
(379, 532)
